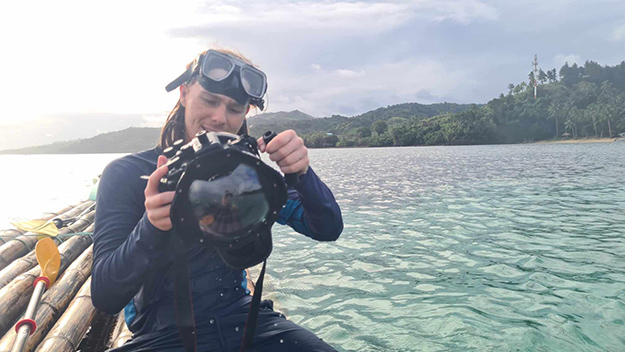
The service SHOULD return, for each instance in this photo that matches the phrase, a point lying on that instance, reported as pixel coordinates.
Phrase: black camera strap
(183, 297)
(183, 303)
(252, 315)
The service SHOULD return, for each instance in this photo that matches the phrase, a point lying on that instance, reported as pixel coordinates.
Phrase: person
(132, 263)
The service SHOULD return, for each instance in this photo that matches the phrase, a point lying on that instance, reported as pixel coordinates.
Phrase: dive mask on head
(225, 74)
(226, 196)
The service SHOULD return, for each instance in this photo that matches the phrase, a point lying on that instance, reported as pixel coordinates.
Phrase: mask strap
(182, 79)
(258, 102)
(243, 130)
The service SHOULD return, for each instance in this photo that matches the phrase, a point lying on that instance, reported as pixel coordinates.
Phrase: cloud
(63, 127)
(327, 93)
(560, 59)
(618, 33)
(321, 56)
(339, 18)
(152, 121)
(349, 73)
(315, 18)
(464, 12)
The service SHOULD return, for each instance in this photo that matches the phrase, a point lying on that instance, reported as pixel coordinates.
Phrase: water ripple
(482, 248)
(490, 248)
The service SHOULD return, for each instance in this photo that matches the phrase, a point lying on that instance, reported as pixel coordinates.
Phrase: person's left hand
(287, 149)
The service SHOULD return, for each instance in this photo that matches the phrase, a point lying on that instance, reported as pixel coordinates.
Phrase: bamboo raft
(66, 319)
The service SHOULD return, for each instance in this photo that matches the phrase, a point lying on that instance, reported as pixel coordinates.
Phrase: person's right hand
(158, 205)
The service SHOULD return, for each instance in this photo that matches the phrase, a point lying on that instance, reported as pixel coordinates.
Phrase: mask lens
(253, 82)
(228, 204)
(217, 67)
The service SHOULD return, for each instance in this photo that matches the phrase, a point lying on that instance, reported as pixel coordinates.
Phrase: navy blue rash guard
(132, 261)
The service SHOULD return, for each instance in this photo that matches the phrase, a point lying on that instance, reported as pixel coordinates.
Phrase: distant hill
(576, 101)
(136, 139)
(338, 124)
(130, 140)
(408, 110)
(294, 115)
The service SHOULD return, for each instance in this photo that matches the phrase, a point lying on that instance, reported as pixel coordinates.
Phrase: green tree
(532, 79)
(397, 121)
(542, 76)
(520, 88)
(592, 112)
(379, 127)
(551, 75)
(556, 110)
(330, 140)
(364, 132)
(611, 105)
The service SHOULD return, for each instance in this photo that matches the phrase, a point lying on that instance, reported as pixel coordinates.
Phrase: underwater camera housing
(226, 196)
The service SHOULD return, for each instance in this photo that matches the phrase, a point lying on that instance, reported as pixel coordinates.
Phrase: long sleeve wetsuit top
(132, 264)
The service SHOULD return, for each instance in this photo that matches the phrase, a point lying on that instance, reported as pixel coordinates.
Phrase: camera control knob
(169, 152)
(177, 144)
(186, 151)
(202, 137)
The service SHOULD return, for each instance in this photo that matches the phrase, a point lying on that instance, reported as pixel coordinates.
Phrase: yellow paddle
(49, 260)
(41, 227)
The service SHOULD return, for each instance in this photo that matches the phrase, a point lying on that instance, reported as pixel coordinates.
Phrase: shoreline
(562, 141)
(580, 140)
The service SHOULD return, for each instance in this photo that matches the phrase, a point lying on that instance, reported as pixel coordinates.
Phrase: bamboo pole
(29, 261)
(8, 235)
(66, 334)
(55, 301)
(20, 245)
(99, 333)
(121, 334)
(15, 295)
(119, 325)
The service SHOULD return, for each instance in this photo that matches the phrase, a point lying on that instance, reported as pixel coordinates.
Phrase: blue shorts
(224, 334)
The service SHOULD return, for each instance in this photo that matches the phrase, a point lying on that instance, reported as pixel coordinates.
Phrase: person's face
(209, 111)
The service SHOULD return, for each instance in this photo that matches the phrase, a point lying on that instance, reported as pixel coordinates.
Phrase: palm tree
(555, 110)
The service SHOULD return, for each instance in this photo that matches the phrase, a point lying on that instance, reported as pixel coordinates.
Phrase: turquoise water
(480, 248)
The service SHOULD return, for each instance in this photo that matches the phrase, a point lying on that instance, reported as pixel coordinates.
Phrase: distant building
(329, 133)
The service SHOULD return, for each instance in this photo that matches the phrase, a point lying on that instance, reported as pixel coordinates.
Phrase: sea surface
(464, 248)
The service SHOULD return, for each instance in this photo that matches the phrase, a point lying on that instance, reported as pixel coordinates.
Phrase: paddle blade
(41, 227)
(49, 258)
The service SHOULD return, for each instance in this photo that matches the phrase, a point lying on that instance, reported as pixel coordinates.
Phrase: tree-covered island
(574, 102)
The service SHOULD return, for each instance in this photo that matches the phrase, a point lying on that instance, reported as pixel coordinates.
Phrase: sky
(75, 69)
